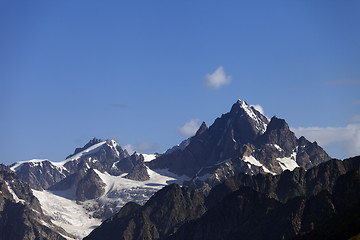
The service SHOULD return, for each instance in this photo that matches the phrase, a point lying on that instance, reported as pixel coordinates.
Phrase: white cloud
(129, 148)
(259, 108)
(343, 139)
(144, 147)
(141, 147)
(217, 79)
(189, 128)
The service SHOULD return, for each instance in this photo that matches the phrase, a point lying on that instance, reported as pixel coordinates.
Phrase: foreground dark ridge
(293, 204)
(21, 216)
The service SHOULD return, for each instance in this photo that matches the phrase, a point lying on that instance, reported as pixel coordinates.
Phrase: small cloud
(341, 139)
(217, 79)
(141, 147)
(259, 108)
(129, 148)
(347, 82)
(144, 147)
(189, 128)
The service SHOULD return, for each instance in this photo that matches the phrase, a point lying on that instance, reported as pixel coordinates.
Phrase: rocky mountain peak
(240, 104)
(278, 132)
(21, 215)
(243, 112)
(89, 144)
(277, 123)
(201, 129)
(92, 142)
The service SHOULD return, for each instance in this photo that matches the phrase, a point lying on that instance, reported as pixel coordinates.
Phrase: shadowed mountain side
(242, 140)
(162, 215)
(247, 214)
(21, 216)
(288, 184)
(296, 203)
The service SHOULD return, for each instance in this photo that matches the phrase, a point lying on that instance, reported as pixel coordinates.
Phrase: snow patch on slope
(148, 157)
(78, 220)
(64, 212)
(93, 149)
(252, 160)
(34, 162)
(16, 198)
(288, 163)
(113, 145)
(260, 125)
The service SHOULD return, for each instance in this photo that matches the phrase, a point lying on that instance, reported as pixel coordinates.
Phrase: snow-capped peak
(249, 110)
(114, 146)
(94, 148)
(35, 162)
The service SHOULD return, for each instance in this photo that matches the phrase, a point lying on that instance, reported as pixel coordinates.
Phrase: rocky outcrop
(167, 210)
(242, 140)
(294, 204)
(102, 158)
(248, 214)
(96, 154)
(92, 142)
(138, 172)
(21, 216)
(90, 186)
(289, 184)
(40, 174)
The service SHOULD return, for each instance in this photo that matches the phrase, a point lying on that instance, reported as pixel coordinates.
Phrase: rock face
(242, 140)
(160, 216)
(105, 156)
(135, 167)
(288, 184)
(90, 186)
(247, 214)
(294, 204)
(21, 216)
(241, 143)
(97, 154)
(40, 174)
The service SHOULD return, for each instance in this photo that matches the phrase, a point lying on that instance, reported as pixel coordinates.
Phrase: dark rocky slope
(162, 215)
(240, 141)
(288, 184)
(21, 216)
(247, 214)
(293, 204)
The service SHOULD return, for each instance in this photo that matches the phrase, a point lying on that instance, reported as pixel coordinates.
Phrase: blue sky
(146, 73)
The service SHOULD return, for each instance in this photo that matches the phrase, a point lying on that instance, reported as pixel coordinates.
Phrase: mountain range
(299, 204)
(242, 158)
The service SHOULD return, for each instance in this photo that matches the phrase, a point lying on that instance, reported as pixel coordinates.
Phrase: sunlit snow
(16, 198)
(252, 160)
(77, 218)
(34, 162)
(94, 148)
(64, 212)
(288, 163)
